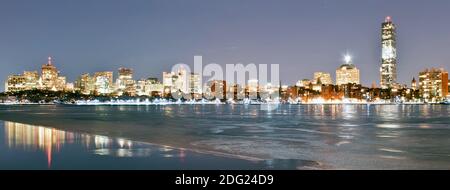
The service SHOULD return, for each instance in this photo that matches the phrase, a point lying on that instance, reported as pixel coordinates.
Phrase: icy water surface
(241, 137)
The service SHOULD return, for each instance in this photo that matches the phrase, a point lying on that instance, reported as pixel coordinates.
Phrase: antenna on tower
(388, 19)
(49, 60)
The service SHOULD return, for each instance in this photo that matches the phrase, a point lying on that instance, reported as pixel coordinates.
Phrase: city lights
(183, 86)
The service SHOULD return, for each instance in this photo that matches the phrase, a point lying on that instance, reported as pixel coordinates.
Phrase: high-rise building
(103, 82)
(49, 78)
(433, 84)
(31, 80)
(125, 82)
(388, 69)
(325, 78)
(153, 87)
(182, 80)
(176, 81)
(140, 87)
(194, 84)
(85, 84)
(347, 73)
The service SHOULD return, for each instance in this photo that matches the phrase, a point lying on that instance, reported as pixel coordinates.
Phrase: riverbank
(148, 103)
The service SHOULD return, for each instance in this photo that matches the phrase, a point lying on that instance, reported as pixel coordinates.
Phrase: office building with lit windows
(433, 84)
(325, 78)
(125, 83)
(388, 69)
(103, 83)
(49, 76)
(347, 73)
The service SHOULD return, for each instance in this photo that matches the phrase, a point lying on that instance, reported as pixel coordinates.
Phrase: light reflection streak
(50, 141)
(29, 137)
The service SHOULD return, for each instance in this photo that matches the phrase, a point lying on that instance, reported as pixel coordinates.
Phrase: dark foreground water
(26, 146)
(225, 137)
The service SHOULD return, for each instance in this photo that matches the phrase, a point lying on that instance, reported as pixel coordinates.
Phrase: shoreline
(212, 103)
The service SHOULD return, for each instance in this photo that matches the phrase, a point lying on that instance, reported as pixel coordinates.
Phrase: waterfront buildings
(347, 73)
(325, 78)
(125, 83)
(15, 83)
(216, 88)
(195, 87)
(253, 86)
(49, 77)
(149, 87)
(181, 84)
(154, 87)
(31, 80)
(84, 84)
(433, 84)
(388, 69)
(169, 79)
(103, 83)
(304, 83)
(177, 81)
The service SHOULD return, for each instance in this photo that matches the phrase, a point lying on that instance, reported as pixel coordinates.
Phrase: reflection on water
(31, 138)
(339, 136)
(50, 141)
(106, 151)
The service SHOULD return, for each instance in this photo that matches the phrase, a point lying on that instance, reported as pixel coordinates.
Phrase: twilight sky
(303, 36)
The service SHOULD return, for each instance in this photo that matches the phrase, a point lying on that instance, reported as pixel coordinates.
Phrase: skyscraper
(388, 69)
(85, 84)
(125, 82)
(49, 76)
(194, 84)
(103, 82)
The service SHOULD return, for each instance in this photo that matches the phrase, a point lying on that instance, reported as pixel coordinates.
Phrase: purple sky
(302, 36)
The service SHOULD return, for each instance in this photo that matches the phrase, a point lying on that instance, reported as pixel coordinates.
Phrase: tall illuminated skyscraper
(388, 69)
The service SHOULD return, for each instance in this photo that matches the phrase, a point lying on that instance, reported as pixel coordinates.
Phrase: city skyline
(150, 60)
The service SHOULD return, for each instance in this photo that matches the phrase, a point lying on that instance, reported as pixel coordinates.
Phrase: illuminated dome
(347, 66)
